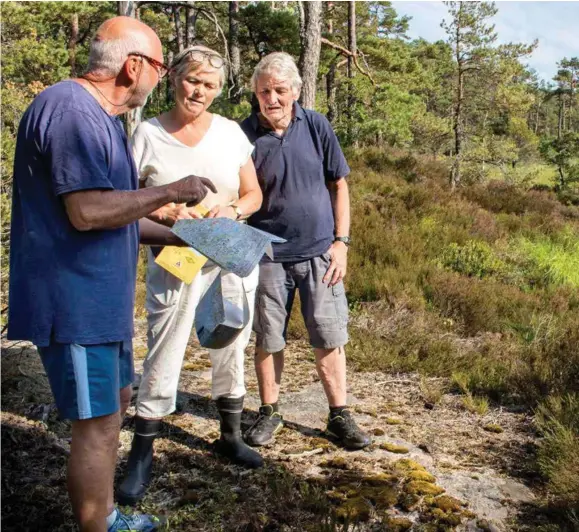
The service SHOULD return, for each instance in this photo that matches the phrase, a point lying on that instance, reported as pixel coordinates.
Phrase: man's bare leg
(331, 366)
(268, 368)
(91, 467)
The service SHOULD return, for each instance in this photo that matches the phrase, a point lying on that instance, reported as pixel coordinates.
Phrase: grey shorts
(324, 308)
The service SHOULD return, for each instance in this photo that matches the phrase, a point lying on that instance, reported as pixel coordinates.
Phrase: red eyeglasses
(161, 68)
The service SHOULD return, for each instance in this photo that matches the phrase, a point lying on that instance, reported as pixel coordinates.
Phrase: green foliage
(558, 420)
(564, 153)
(475, 258)
(552, 262)
(270, 30)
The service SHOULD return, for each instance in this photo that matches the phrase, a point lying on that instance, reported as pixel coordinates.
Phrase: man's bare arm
(154, 234)
(90, 210)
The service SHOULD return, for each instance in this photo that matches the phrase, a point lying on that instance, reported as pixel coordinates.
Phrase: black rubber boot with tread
(231, 444)
(140, 462)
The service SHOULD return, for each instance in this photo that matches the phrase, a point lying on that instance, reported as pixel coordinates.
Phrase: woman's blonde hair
(183, 63)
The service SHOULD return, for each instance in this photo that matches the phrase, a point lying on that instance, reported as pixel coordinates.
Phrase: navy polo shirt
(66, 285)
(293, 170)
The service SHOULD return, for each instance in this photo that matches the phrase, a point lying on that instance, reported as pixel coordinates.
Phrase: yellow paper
(184, 263)
(201, 209)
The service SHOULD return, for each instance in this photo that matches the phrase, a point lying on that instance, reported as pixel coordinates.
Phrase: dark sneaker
(137, 523)
(267, 425)
(344, 429)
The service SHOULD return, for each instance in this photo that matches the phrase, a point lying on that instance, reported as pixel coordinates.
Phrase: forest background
(465, 179)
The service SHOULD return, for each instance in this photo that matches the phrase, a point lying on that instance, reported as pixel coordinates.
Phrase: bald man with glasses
(77, 218)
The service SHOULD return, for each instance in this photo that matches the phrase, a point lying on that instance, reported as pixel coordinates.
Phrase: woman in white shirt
(186, 140)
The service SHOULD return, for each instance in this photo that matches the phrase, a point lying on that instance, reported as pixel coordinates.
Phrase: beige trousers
(171, 308)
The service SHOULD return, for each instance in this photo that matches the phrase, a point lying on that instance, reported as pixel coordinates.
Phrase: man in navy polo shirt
(302, 172)
(74, 244)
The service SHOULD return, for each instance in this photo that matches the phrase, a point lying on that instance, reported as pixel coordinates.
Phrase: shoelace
(264, 416)
(349, 424)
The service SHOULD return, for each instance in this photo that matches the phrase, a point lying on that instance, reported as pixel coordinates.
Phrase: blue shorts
(86, 379)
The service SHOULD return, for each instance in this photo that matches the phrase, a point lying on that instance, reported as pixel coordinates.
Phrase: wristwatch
(345, 239)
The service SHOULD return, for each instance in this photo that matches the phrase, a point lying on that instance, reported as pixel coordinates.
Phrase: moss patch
(357, 509)
(493, 427)
(393, 448)
(407, 465)
(381, 496)
(380, 478)
(447, 504)
(338, 462)
(419, 487)
(421, 475)
(397, 524)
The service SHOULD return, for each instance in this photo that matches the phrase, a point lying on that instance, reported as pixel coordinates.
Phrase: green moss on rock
(357, 509)
(421, 475)
(447, 504)
(393, 448)
(397, 524)
(419, 487)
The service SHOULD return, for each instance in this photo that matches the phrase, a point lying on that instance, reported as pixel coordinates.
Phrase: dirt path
(431, 467)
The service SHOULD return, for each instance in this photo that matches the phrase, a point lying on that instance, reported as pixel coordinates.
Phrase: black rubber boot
(138, 473)
(231, 444)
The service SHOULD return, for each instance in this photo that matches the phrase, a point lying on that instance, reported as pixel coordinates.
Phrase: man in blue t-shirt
(74, 241)
(302, 172)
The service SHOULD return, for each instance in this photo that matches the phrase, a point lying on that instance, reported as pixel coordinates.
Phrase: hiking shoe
(267, 425)
(344, 429)
(137, 523)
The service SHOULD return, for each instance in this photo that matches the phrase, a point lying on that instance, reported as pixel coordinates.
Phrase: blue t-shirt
(66, 285)
(293, 170)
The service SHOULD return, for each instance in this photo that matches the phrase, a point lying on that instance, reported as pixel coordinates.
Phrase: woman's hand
(170, 213)
(182, 212)
(220, 211)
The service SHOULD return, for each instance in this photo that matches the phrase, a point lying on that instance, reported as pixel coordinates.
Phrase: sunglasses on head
(199, 56)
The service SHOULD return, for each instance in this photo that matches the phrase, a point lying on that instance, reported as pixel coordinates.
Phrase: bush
(478, 304)
(475, 259)
(558, 420)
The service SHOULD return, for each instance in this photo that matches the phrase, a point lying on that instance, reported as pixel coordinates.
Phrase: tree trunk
(72, 44)
(561, 111)
(178, 30)
(331, 75)
(455, 174)
(133, 117)
(310, 53)
(352, 46)
(234, 54)
(190, 24)
(127, 9)
(537, 117)
(302, 22)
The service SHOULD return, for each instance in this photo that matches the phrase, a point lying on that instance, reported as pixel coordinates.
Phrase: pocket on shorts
(341, 302)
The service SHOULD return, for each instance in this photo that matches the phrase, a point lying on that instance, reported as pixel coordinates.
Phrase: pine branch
(347, 53)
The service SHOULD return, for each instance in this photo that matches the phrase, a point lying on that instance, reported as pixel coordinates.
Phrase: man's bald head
(115, 39)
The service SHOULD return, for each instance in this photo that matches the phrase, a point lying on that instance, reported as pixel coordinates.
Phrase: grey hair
(107, 57)
(280, 63)
(183, 64)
